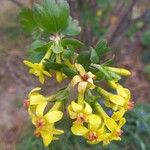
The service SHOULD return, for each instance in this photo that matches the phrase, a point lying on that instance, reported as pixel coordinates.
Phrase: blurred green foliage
(136, 135)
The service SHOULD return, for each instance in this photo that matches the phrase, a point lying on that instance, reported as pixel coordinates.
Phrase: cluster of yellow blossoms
(90, 120)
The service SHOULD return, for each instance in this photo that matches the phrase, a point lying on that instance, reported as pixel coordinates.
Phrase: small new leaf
(102, 48)
(72, 29)
(94, 56)
(73, 42)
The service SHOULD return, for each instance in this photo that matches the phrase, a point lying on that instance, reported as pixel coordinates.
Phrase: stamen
(119, 132)
(40, 123)
(37, 133)
(81, 118)
(92, 136)
(130, 105)
(85, 77)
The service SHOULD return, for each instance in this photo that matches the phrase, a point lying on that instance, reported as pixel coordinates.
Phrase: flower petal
(71, 112)
(28, 63)
(91, 75)
(118, 114)
(82, 87)
(87, 108)
(78, 129)
(47, 137)
(34, 91)
(76, 79)
(117, 99)
(53, 116)
(41, 78)
(110, 123)
(76, 107)
(40, 109)
(121, 91)
(94, 122)
(36, 99)
(80, 68)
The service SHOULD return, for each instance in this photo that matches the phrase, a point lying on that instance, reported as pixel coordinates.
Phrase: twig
(122, 18)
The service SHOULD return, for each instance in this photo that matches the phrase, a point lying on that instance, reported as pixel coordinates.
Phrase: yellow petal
(80, 68)
(118, 114)
(34, 91)
(76, 107)
(46, 73)
(94, 122)
(58, 132)
(36, 99)
(121, 91)
(47, 137)
(71, 112)
(59, 77)
(28, 63)
(40, 109)
(91, 75)
(110, 123)
(82, 87)
(41, 78)
(117, 99)
(87, 109)
(76, 79)
(122, 122)
(53, 116)
(78, 129)
(111, 105)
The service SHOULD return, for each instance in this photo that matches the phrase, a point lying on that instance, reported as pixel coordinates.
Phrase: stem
(47, 56)
(100, 110)
(81, 98)
(102, 92)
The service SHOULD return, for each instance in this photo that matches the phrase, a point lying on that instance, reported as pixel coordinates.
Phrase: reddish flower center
(92, 136)
(81, 118)
(119, 132)
(85, 77)
(130, 105)
(40, 123)
(37, 133)
(26, 103)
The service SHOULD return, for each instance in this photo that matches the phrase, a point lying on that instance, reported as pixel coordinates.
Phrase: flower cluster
(53, 54)
(90, 120)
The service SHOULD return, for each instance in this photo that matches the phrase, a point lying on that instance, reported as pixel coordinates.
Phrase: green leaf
(27, 21)
(35, 56)
(73, 42)
(52, 16)
(72, 29)
(60, 67)
(102, 48)
(68, 53)
(84, 59)
(94, 56)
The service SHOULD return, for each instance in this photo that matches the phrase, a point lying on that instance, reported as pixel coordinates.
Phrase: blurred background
(126, 26)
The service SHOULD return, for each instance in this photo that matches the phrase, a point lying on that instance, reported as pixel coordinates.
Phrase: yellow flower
(114, 129)
(84, 80)
(38, 70)
(120, 71)
(79, 112)
(116, 133)
(44, 124)
(36, 99)
(112, 100)
(125, 93)
(94, 133)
